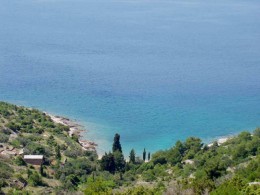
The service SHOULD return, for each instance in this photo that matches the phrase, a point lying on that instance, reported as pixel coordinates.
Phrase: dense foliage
(189, 167)
(66, 164)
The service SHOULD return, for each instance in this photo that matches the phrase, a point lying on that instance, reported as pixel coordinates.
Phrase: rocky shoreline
(220, 141)
(74, 129)
(77, 129)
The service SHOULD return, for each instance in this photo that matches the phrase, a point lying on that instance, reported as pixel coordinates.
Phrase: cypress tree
(144, 155)
(132, 156)
(116, 144)
(149, 155)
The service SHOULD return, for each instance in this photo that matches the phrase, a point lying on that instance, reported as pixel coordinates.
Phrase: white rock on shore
(220, 141)
(74, 129)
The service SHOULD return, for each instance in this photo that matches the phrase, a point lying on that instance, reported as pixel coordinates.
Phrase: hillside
(189, 167)
(29, 131)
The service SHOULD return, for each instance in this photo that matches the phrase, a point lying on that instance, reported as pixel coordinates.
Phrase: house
(33, 159)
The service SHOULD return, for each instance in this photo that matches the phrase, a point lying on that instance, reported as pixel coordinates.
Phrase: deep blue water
(154, 71)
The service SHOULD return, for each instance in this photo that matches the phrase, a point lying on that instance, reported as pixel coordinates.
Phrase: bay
(152, 71)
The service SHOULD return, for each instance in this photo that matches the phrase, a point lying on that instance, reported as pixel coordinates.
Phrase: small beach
(74, 129)
(77, 129)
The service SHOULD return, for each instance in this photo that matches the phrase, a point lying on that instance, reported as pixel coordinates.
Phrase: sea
(154, 71)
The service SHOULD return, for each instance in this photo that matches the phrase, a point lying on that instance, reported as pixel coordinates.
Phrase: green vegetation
(132, 156)
(66, 164)
(189, 167)
(116, 144)
(144, 155)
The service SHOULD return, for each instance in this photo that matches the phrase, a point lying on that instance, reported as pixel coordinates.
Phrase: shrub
(148, 176)
(4, 138)
(5, 170)
(35, 179)
(99, 186)
(73, 153)
(34, 148)
(19, 161)
(14, 126)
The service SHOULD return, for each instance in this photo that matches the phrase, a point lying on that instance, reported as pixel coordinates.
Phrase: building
(33, 159)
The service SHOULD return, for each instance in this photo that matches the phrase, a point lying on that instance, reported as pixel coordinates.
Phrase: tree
(58, 154)
(107, 163)
(257, 132)
(116, 144)
(244, 136)
(193, 143)
(240, 152)
(144, 155)
(132, 156)
(149, 156)
(181, 147)
(159, 157)
(192, 146)
(119, 161)
(213, 168)
(174, 156)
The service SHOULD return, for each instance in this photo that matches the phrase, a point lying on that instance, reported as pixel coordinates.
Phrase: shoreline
(220, 140)
(74, 129)
(88, 145)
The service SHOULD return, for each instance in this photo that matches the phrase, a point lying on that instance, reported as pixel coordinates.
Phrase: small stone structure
(33, 159)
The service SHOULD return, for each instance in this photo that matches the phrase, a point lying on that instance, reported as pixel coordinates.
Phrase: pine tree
(144, 155)
(132, 156)
(149, 155)
(116, 144)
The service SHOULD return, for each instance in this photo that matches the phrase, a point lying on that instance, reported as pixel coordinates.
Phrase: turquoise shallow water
(153, 71)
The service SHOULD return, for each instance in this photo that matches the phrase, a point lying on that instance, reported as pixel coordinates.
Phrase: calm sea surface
(154, 71)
